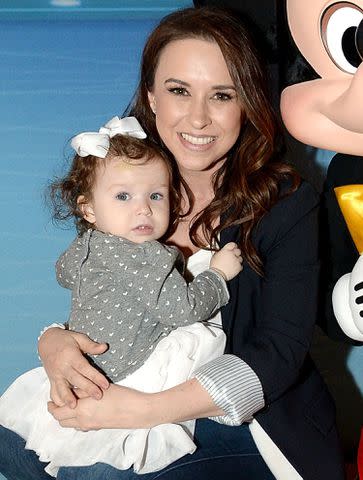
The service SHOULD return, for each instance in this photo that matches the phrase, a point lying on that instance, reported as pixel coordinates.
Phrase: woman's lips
(197, 143)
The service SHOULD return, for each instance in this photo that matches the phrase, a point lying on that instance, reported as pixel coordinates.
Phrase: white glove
(347, 292)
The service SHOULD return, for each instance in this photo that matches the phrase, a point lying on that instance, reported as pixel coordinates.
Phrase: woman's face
(198, 113)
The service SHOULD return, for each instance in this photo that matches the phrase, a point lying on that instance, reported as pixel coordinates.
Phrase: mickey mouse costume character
(327, 113)
(331, 38)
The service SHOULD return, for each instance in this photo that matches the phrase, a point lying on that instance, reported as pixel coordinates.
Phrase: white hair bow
(98, 143)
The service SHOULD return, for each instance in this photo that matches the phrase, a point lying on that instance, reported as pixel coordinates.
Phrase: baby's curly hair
(80, 179)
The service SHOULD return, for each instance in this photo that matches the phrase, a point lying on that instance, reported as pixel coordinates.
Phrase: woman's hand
(120, 407)
(62, 352)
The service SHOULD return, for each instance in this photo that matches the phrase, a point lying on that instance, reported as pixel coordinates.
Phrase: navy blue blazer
(269, 323)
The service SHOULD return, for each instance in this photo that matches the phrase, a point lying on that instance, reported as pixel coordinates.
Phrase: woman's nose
(199, 115)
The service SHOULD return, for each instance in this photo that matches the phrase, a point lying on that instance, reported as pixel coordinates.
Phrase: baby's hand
(228, 261)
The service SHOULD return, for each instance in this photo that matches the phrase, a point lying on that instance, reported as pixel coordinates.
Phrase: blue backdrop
(61, 72)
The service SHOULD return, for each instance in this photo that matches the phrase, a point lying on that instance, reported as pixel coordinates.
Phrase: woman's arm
(225, 389)
(122, 407)
(61, 352)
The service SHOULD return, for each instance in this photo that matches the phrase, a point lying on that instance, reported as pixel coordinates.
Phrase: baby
(128, 291)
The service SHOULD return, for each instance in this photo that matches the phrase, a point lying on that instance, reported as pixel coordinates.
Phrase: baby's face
(130, 200)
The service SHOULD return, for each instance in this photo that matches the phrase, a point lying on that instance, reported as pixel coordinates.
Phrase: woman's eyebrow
(186, 84)
(176, 80)
(224, 87)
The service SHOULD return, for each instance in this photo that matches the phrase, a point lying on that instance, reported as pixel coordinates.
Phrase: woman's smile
(197, 142)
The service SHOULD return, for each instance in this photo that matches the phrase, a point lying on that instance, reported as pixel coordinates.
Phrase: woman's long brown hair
(248, 184)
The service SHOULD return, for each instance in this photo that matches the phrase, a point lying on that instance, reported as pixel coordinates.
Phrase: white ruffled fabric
(23, 409)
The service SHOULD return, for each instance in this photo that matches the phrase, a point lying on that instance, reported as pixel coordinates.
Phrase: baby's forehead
(122, 163)
(128, 163)
(121, 170)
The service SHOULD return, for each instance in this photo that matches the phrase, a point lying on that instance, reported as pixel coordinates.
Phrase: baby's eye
(123, 196)
(223, 97)
(178, 91)
(156, 196)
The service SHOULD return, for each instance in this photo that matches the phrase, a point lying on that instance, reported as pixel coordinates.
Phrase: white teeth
(197, 140)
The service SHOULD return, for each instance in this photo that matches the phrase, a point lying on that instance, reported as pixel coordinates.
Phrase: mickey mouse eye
(342, 34)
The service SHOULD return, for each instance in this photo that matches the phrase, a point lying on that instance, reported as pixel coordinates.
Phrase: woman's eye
(123, 196)
(178, 91)
(156, 196)
(341, 31)
(223, 97)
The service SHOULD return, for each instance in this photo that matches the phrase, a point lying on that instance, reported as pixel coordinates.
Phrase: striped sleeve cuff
(234, 387)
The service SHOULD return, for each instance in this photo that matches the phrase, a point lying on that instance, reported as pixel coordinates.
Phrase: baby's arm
(67, 264)
(228, 261)
(181, 303)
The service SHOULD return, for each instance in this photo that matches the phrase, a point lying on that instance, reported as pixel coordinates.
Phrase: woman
(202, 96)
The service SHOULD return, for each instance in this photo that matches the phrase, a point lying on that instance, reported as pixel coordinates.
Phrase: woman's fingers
(87, 345)
(92, 378)
(89, 380)
(83, 368)
(64, 415)
(62, 389)
(120, 407)
(66, 366)
(63, 394)
(60, 413)
(71, 418)
(79, 393)
(82, 381)
(55, 396)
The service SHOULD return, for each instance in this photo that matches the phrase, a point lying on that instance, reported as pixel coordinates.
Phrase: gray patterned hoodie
(131, 295)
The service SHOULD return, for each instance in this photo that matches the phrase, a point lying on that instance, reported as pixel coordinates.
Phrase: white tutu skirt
(23, 409)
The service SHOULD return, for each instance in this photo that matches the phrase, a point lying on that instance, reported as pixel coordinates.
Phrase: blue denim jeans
(222, 452)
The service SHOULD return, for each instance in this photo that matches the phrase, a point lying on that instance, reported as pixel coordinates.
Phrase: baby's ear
(86, 209)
